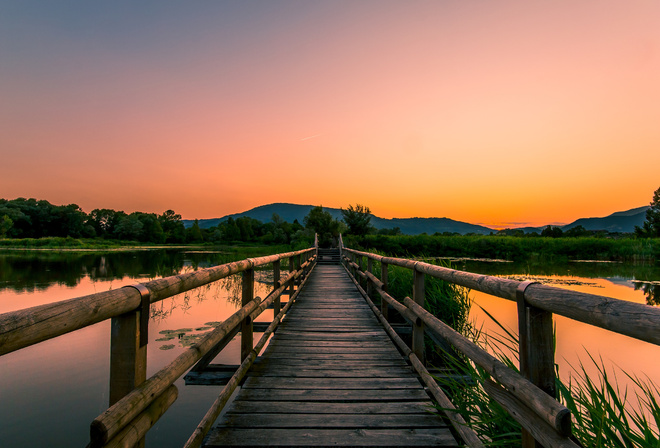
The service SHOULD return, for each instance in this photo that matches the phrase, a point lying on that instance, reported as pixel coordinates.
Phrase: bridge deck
(330, 377)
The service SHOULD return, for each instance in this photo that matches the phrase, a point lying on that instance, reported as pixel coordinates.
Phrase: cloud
(310, 137)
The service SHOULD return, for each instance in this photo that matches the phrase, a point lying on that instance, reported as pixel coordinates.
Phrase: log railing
(529, 396)
(136, 402)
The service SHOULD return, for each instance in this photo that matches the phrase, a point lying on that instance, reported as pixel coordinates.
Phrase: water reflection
(36, 271)
(639, 277)
(651, 291)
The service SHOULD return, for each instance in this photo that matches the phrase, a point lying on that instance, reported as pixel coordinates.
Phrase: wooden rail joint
(145, 302)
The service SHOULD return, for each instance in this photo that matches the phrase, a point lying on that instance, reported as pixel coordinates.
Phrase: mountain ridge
(622, 221)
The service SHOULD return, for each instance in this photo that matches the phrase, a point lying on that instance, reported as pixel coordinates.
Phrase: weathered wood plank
(301, 407)
(338, 421)
(321, 438)
(331, 377)
(336, 395)
(323, 384)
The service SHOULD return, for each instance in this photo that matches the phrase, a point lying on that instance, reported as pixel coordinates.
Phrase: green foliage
(357, 219)
(323, 224)
(651, 227)
(514, 248)
(602, 415)
(552, 232)
(5, 225)
(194, 234)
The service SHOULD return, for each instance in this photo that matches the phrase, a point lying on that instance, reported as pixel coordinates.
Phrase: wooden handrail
(550, 410)
(628, 318)
(22, 328)
(109, 424)
(204, 426)
(542, 417)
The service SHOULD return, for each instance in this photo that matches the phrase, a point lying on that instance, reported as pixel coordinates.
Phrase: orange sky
(498, 113)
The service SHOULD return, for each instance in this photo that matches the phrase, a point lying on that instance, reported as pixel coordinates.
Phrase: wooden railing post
(298, 264)
(370, 268)
(128, 350)
(536, 350)
(276, 284)
(246, 326)
(383, 278)
(291, 283)
(418, 327)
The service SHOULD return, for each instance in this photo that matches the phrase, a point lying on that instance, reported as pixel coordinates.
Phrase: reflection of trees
(38, 271)
(651, 291)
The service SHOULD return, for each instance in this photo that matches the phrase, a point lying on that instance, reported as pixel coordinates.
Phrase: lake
(50, 392)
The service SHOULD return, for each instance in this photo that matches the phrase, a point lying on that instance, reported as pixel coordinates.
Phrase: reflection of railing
(136, 402)
(531, 397)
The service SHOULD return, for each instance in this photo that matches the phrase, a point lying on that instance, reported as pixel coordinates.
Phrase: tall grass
(603, 415)
(516, 248)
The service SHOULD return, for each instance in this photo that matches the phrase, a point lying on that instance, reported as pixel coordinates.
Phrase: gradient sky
(494, 112)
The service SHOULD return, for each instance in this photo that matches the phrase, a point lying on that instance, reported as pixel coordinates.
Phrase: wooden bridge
(335, 372)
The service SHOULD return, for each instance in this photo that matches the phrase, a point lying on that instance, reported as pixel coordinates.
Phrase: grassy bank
(512, 248)
(93, 244)
(603, 414)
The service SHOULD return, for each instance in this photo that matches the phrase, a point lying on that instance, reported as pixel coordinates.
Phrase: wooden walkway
(331, 377)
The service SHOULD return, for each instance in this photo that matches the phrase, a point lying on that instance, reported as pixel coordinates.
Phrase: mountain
(624, 221)
(408, 226)
(616, 222)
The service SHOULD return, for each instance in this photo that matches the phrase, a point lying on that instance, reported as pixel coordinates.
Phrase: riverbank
(514, 248)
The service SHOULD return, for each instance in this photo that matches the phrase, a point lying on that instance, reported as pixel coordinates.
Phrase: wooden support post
(383, 278)
(360, 279)
(298, 264)
(128, 350)
(128, 361)
(246, 325)
(536, 350)
(370, 268)
(418, 327)
(276, 284)
(291, 283)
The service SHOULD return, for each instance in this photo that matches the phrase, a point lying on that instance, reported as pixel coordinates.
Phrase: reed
(603, 414)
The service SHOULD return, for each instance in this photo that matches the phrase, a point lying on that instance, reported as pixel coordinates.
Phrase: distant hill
(408, 226)
(624, 221)
(616, 222)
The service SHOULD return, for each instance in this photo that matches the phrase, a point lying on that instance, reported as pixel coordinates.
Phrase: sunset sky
(502, 113)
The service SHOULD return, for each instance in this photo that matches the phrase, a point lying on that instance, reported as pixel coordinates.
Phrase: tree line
(32, 218)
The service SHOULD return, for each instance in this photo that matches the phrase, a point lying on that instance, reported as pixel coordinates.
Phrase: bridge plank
(331, 376)
(321, 438)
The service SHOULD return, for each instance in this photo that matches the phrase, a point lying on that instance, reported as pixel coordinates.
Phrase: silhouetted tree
(651, 227)
(358, 219)
(552, 232)
(325, 226)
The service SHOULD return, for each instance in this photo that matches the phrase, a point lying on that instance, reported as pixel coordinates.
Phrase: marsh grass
(517, 248)
(604, 416)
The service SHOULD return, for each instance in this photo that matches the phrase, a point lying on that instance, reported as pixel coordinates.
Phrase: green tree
(195, 233)
(152, 231)
(577, 232)
(651, 227)
(129, 228)
(104, 221)
(5, 225)
(323, 224)
(552, 232)
(358, 219)
(172, 225)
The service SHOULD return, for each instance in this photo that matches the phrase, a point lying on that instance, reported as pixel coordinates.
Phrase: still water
(50, 392)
